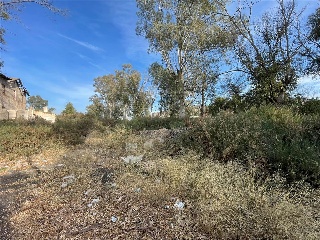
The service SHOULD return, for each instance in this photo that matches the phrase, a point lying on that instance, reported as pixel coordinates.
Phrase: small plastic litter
(94, 202)
(114, 219)
(132, 159)
(179, 204)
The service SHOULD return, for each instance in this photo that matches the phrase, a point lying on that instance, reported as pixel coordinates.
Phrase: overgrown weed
(207, 193)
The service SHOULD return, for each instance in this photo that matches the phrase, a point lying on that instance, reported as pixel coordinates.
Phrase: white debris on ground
(114, 219)
(132, 159)
(88, 192)
(67, 180)
(179, 204)
(94, 202)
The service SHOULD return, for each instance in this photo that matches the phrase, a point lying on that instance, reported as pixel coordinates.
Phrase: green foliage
(69, 109)
(72, 128)
(314, 23)
(119, 95)
(24, 138)
(275, 139)
(313, 46)
(187, 34)
(37, 102)
(154, 123)
(169, 88)
(310, 106)
(268, 52)
(235, 104)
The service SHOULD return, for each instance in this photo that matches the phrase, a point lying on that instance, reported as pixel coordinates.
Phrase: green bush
(153, 123)
(24, 138)
(311, 106)
(73, 128)
(274, 139)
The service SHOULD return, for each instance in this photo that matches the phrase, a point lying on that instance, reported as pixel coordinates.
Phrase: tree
(69, 109)
(313, 47)
(37, 102)
(268, 50)
(8, 7)
(181, 31)
(168, 89)
(120, 95)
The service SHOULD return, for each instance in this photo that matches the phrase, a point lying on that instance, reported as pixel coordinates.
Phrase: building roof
(18, 81)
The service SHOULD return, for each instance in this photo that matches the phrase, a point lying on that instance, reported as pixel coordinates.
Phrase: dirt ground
(11, 194)
(14, 183)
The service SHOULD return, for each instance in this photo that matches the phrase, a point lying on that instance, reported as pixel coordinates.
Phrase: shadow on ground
(11, 193)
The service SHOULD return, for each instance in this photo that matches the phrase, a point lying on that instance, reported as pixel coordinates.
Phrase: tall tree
(181, 31)
(69, 109)
(165, 81)
(268, 50)
(37, 102)
(120, 95)
(312, 48)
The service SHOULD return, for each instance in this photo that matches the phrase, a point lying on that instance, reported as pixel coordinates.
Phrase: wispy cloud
(81, 43)
(309, 86)
(309, 79)
(124, 18)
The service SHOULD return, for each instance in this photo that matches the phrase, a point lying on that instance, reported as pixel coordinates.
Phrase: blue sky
(58, 57)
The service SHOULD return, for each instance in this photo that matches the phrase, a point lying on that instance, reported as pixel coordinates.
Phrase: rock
(132, 159)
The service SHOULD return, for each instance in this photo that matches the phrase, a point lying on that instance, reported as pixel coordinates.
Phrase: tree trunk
(182, 107)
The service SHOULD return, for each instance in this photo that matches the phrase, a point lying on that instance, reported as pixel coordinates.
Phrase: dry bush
(231, 205)
(222, 201)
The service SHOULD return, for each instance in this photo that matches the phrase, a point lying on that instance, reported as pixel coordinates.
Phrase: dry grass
(221, 201)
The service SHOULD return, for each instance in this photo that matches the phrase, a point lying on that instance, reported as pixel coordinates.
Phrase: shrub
(73, 128)
(24, 138)
(311, 106)
(153, 123)
(225, 201)
(276, 139)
